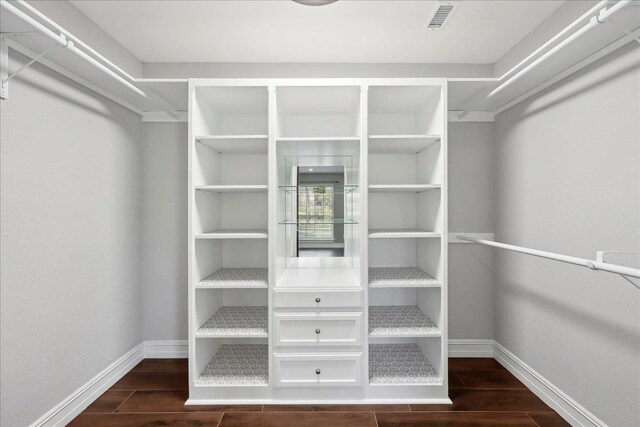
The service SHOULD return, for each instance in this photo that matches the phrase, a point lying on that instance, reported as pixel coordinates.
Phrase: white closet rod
(601, 18)
(64, 42)
(593, 265)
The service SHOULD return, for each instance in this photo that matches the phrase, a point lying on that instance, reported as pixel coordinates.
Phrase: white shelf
(400, 364)
(316, 138)
(236, 322)
(400, 144)
(400, 277)
(402, 233)
(229, 278)
(400, 321)
(233, 188)
(235, 144)
(237, 365)
(318, 277)
(233, 234)
(402, 188)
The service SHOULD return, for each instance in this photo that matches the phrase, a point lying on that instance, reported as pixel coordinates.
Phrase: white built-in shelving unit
(267, 326)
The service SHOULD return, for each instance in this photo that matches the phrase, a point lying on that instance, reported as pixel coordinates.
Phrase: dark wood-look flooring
(483, 394)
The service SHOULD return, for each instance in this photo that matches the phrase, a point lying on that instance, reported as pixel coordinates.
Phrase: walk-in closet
(320, 213)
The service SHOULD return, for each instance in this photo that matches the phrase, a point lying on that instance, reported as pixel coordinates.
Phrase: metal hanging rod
(63, 41)
(591, 264)
(596, 20)
(599, 17)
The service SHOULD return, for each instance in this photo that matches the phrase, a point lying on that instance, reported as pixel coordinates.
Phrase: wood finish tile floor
(483, 394)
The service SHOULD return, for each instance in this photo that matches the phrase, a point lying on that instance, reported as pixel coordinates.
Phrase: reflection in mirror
(320, 211)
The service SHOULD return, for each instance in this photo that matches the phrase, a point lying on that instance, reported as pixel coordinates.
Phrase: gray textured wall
(164, 195)
(568, 181)
(70, 215)
(471, 201)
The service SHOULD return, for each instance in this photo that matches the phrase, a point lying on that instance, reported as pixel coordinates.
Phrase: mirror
(320, 211)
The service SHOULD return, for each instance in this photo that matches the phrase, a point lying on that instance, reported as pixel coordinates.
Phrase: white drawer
(317, 299)
(318, 370)
(318, 329)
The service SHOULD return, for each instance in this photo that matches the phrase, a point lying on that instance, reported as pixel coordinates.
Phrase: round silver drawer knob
(317, 299)
(318, 371)
(317, 331)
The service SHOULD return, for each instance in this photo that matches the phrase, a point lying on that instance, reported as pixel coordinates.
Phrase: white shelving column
(266, 326)
(228, 241)
(407, 205)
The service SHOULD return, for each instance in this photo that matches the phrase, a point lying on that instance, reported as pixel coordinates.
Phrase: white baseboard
(470, 348)
(77, 401)
(569, 409)
(166, 349)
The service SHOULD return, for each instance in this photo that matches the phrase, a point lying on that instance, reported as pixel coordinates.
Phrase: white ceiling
(284, 31)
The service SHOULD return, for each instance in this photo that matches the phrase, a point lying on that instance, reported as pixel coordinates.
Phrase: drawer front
(317, 299)
(318, 329)
(318, 370)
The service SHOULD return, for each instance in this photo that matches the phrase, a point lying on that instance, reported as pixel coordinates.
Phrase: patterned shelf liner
(236, 278)
(400, 364)
(389, 277)
(400, 320)
(236, 321)
(237, 364)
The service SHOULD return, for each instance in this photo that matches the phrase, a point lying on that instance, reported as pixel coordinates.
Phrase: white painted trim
(569, 409)
(482, 236)
(470, 348)
(166, 349)
(76, 402)
(471, 116)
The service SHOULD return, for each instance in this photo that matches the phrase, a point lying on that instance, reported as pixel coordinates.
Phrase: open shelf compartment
(318, 113)
(400, 321)
(400, 277)
(406, 112)
(235, 144)
(400, 144)
(237, 365)
(230, 278)
(236, 111)
(236, 322)
(400, 364)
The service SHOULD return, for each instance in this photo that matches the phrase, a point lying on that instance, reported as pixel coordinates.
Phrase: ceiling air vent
(441, 14)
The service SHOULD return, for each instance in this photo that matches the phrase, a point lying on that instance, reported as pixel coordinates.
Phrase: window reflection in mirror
(320, 210)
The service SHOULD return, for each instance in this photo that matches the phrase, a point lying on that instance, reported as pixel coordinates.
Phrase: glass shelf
(334, 221)
(311, 188)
